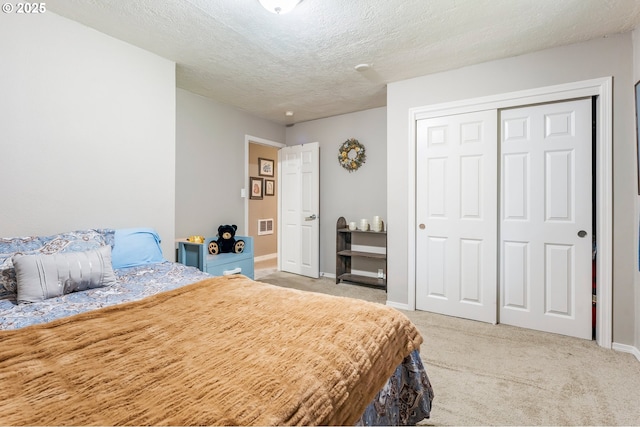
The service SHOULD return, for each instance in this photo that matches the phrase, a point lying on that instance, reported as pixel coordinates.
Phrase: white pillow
(47, 276)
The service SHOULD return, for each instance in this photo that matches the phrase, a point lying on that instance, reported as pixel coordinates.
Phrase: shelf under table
(363, 254)
(373, 282)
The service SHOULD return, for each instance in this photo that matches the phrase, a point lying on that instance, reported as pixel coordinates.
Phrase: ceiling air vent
(265, 226)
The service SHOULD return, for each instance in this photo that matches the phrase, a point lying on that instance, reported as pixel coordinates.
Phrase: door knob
(421, 226)
(310, 218)
(582, 233)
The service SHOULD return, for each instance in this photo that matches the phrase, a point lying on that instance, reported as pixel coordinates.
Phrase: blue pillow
(136, 246)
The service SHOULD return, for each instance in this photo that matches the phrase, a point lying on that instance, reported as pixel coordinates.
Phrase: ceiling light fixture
(362, 67)
(279, 7)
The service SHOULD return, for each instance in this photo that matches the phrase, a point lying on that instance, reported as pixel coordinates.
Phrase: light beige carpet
(486, 374)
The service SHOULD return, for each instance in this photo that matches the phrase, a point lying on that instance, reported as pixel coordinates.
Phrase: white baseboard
(626, 349)
(327, 275)
(398, 305)
(265, 257)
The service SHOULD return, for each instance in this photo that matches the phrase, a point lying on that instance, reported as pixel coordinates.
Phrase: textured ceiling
(239, 54)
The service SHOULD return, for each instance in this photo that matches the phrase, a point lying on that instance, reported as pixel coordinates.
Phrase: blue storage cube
(197, 255)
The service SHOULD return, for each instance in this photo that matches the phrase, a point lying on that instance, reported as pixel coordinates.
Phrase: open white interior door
(299, 210)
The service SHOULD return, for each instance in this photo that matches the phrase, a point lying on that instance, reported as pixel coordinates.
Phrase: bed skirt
(404, 400)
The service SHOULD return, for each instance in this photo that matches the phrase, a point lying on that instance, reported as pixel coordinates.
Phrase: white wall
(210, 170)
(355, 195)
(636, 78)
(610, 56)
(87, 130)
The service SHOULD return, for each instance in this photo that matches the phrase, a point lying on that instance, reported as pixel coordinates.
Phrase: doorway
(261, 202)
(601, 90)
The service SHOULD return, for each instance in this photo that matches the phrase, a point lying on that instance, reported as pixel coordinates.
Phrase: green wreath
(352, 155)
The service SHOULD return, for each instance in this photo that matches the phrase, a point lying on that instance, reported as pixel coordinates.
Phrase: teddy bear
(226, 241)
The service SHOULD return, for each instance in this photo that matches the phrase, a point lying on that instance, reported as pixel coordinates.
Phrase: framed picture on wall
(638, 133)
(256, 185)
(265, 167)
(269, 187)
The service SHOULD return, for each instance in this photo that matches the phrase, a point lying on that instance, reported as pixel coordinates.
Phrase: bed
(143, 341)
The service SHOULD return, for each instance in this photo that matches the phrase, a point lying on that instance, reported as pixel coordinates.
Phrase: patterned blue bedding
(404, 400)
(134, 283)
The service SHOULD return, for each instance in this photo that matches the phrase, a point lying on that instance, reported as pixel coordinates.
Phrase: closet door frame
(603, 89)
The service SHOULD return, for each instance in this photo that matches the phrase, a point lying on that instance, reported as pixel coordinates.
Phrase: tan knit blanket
(224, 351)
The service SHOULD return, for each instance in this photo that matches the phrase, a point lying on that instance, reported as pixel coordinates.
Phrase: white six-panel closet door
(456, 212)
(546, 210)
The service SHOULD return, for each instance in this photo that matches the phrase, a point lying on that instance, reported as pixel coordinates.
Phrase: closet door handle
(582, 233)
(310, 218)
